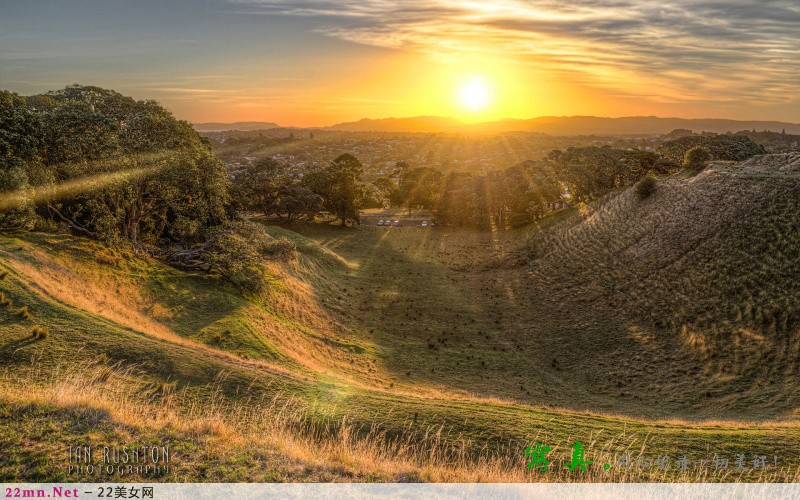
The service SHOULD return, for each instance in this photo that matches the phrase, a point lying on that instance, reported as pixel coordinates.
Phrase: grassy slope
(697, 288)
(404, 327)
(678, 306)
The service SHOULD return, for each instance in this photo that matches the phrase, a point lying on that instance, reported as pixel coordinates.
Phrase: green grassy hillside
(692, 291)
(656, 326)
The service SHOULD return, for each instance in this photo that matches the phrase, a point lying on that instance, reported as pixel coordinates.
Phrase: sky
(320, 62)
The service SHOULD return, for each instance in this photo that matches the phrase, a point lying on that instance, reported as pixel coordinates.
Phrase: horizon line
(462, 123)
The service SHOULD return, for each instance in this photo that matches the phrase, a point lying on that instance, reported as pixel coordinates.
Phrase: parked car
(380, 222)
(396, 223)
(424, 223)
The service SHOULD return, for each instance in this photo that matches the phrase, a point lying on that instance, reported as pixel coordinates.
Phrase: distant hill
(243, 126)
(415, 124)
(554, 125)
(565, 125)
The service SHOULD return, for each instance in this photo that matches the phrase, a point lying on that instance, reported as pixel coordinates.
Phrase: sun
(474, 94)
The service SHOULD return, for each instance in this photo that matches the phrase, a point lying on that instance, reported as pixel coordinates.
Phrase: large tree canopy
(419, 187)
(110, 167)
(259, 185)
(339, 187)
(19, 144)
(512, 197)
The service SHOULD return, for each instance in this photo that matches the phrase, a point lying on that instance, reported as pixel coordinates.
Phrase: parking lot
(397, 221)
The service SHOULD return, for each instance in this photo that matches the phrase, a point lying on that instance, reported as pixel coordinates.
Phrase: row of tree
(517, 195)
(511, 197)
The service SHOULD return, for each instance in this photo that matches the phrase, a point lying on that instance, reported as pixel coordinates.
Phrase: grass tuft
(24, 313)
(39, 332)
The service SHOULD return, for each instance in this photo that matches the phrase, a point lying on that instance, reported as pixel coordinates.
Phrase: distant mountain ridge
(554, 125)
(243, 126)
(567, 125)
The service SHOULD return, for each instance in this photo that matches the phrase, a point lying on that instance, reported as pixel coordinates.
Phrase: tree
(338, 186)
(696, 158)
(19, 144)
(459, 204)
(590, 172)
(525, 192)
(387, 188)
(727, 147)
(297, 200)
(258, 185)
(679, 132)
(115, 169)
(370, 196)
(419, 187)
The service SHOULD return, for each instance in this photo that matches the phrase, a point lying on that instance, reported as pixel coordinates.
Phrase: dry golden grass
(279, 426)
(109, 298)
(295, 321)
(106, 295)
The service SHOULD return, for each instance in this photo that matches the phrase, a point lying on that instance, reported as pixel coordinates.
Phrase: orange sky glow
(319, 62)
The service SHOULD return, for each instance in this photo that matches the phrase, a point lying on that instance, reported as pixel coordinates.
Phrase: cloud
(689, 50)
(188, 90)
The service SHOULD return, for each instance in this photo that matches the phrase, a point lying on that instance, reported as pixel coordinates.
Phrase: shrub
(4, 301)
(235, 252)
(3, 275)
(696, 158)
(726, 147)
(646, 187)
(281, 249)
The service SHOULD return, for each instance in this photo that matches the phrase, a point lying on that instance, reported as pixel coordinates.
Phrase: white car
(396, 223)
(380, 222)
(424, 223)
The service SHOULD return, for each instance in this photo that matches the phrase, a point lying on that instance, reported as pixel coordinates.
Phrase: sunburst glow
(475, 94)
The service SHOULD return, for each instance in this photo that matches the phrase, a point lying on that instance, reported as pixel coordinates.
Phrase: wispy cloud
(681, 51)
(187, 90)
